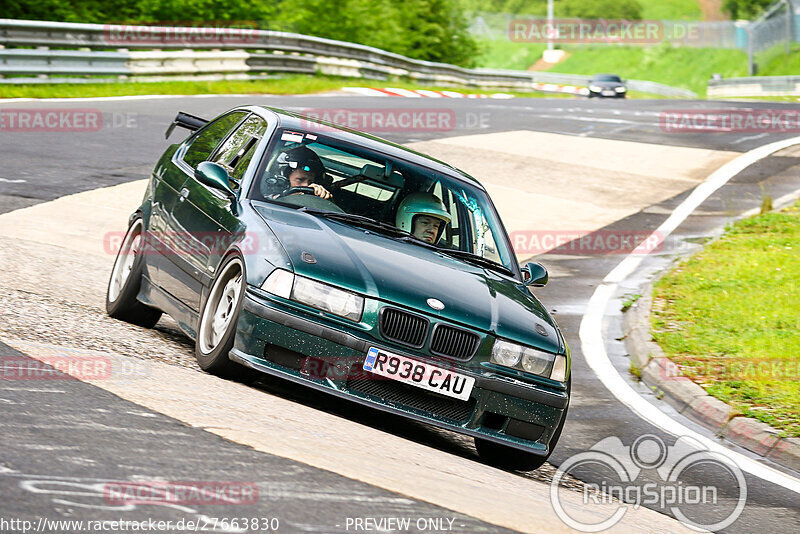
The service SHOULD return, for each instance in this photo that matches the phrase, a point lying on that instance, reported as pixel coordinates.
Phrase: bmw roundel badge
(436, 304)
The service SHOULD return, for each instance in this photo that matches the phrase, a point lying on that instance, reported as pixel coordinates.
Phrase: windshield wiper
(407, 237)
(360, 220)
(483, 262)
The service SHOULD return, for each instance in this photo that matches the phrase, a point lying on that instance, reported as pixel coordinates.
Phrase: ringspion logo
(683, 478)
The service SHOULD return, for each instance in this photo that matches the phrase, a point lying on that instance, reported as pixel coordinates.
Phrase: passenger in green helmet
(423, 215)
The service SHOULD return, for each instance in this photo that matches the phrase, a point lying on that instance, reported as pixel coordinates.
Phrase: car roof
(288, 119)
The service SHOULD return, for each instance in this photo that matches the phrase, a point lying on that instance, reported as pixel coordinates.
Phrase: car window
(240, 141)
(607, 78)
(241, 165)
(210, 136)
(392, 191)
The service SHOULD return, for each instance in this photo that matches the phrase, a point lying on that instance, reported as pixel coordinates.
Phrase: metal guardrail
(152, 50)
(754, 86)
(50, 62)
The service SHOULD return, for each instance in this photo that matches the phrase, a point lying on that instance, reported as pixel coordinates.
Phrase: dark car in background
(340, 293)
(607, 86)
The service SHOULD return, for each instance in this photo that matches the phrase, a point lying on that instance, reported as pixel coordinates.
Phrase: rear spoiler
(184, 120)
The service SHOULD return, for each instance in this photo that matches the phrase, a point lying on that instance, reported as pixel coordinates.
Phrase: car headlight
(620, 89)
(529, 359)
(595, 88)
(315, 294)
(506, 354)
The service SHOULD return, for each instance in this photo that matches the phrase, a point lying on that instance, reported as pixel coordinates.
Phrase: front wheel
(126, 279)
(216, 329)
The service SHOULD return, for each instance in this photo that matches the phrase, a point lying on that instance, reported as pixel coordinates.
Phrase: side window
(241, 142)
(207, 140)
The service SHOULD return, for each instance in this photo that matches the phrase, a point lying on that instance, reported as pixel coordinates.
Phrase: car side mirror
(534, 274)
(214, 176)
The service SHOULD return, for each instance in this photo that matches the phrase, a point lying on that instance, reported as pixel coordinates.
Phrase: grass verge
(686, 67)
(671, 10)
(297, 84)
(730, 318)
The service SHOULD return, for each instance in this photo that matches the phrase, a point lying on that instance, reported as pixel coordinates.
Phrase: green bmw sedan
(351, 265)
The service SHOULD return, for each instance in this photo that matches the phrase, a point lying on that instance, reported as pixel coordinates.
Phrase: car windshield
(391, 196)
(607, 78)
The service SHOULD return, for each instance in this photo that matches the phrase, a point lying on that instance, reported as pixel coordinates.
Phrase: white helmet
(420, 204)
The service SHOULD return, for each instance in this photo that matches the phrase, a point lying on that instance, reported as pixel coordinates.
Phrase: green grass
(629, 301)
(506, 54)
(671, 10)
(775, 62)
(686, 67)
(730, 318)
(279, 86)
(690, 68)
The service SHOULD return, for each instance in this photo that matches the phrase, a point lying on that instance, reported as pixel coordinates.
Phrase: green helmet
(420, 204)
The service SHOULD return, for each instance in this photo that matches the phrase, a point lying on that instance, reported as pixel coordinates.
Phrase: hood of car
(408, 275)
(608, 85)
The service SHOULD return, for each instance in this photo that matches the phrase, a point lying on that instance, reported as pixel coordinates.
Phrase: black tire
(126, 280)
(212, 346)
(511, 459)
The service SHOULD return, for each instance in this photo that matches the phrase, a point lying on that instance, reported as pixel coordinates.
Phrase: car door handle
(184, 194)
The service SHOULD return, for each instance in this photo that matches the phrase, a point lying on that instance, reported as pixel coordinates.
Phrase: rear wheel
(126, 279)
(506, 457)
(216, 329)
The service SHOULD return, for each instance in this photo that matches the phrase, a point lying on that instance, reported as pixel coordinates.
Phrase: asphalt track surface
(37, 167)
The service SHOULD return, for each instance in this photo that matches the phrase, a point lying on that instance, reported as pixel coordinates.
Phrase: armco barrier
(159, 51)
(755, 86)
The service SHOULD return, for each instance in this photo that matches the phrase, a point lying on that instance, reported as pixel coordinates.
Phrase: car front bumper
(274, 338)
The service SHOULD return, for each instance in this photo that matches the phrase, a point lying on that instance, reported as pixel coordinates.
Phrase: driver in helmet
(424, 215)
(303, 168)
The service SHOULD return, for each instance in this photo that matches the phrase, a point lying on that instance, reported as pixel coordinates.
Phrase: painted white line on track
(9, 181)
(749, 138)
(591, 119)
(591, 328)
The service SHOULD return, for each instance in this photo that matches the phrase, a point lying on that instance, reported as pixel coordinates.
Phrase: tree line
(432, 30)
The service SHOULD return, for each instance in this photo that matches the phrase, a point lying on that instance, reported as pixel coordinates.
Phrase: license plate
(608, 93)
(420, 374)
